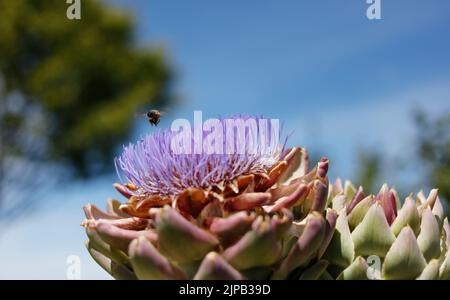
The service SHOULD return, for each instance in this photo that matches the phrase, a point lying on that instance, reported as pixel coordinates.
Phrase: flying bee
(153, 116)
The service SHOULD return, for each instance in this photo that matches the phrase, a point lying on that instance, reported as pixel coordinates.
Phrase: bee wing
(140, 115)
(165, 111)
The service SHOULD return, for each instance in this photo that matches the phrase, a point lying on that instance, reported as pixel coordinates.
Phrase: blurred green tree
(369, 170)
(430, 152)
(68, 91)
(433, 136)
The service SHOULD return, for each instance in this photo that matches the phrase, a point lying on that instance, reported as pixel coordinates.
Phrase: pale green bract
(409, 240)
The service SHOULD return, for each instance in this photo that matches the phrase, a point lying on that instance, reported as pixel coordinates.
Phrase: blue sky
(336, 78)
(331, 74)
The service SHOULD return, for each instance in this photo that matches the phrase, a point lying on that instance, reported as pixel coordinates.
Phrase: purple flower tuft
(152, 165)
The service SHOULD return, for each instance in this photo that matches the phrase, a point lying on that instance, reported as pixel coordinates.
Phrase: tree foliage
(430, 153)
(369, 169)
(433, 136)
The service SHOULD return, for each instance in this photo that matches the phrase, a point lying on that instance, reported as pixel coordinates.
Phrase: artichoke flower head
(256, 214)
(155, 174)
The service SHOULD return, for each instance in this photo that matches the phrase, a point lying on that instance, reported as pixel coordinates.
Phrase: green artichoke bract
(403, 241)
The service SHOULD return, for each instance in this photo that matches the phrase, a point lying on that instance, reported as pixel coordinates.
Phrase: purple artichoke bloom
(153, 164)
